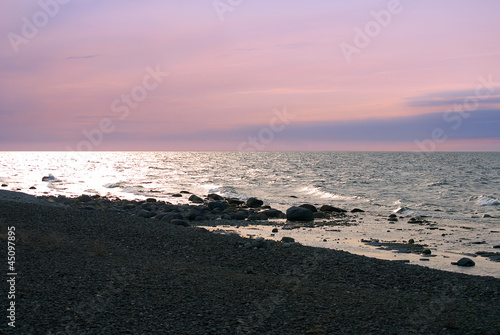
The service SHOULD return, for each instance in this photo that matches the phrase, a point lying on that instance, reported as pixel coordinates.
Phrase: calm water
(455, 189)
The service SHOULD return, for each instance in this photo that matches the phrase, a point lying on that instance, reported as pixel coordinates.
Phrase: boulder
(234, 201)
(185, 192)
(254, 202)
(464, 262)
(216, 204)
(328, 208)
(299, 214)
(144, 213)
(214, 196)
(150, 200)
(179, 222)
(193, 213)
(287, 239)
(4, 185)
(309, 207)
(357, 210)
(240, 215)
(177, 195)
(84, 198)
(273, 213)
(195, 199)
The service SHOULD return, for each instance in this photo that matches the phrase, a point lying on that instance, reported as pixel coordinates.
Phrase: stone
(192, 214)
(239, 215)
(328, 208)
(309, 207)
(185, 192)
(32, 188)
(259, 243)
(150, 200)
(84, 198)
(4, 185)
(196, 199)
(177, 195)
(411, 241)
(273, 213)
(144, 213)
(426, 252)
(216, 205)
(487, 216)
(299, 214)
(286, 239)
(234, 201)
(254, 203)
(275, 230)
(214, 196)
(357, 210)
(171, 216)
(286, 245)
(180, 222)
(318, 215)
(464, 262)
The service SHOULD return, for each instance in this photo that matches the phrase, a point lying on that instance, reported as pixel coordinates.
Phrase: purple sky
(249, 75)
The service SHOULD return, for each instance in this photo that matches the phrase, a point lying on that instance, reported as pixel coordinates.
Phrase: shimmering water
(455, 189)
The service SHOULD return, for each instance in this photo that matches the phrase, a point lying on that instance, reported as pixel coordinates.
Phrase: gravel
(96, 272)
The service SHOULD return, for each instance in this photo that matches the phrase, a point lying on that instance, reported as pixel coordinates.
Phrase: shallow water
(454, 190)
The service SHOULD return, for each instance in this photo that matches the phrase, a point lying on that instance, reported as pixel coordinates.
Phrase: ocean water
(456, 189)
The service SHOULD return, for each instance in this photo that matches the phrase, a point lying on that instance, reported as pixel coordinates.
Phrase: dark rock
(259, 243)
(84, 198)
(216, 205)
(426, 252)
(293, 196)
(193, 213)
(144, 213)
(254, 202)
(261, 216)
(393, 219)
(168, 217)
(318, 215)
(299, 214)
(32, 188)
(393, 215)
(328, 208)
(496, 246)
(214, 196)
(275, 230)
(309, 207)
(160, 215)
(240, 215)
(357, 210)
(177, 195)
(150, 200)
(287, 239)
(179, 222)
(464, 262)
(185, 192)
(234, 201)
(4, 185)
(273, 213)
(195, 199)
(487, 216)
(411, 241)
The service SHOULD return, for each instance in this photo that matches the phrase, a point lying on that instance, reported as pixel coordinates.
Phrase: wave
(318, 192)
(487, 201)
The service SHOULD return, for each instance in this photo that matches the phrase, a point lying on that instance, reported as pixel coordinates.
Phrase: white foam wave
(318, 192)
(487, 201)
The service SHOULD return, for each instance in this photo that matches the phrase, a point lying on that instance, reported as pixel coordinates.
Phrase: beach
(82, 271)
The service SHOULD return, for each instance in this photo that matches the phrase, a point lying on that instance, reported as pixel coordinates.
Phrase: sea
(459, 192)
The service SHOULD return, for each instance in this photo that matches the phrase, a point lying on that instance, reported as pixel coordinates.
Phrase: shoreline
(354, 231)
(91, 271)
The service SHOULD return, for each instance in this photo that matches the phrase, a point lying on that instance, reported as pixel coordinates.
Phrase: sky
(250, 75)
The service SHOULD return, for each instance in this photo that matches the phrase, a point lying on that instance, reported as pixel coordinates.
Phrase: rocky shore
(92, 265)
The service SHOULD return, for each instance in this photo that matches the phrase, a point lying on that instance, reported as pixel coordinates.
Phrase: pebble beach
(88, 266)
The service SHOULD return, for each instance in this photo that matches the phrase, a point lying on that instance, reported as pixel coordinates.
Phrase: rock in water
(254, 202)
(464, 262)
(195, 199)
(309, 207)
(328, 208)
(299, 214)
